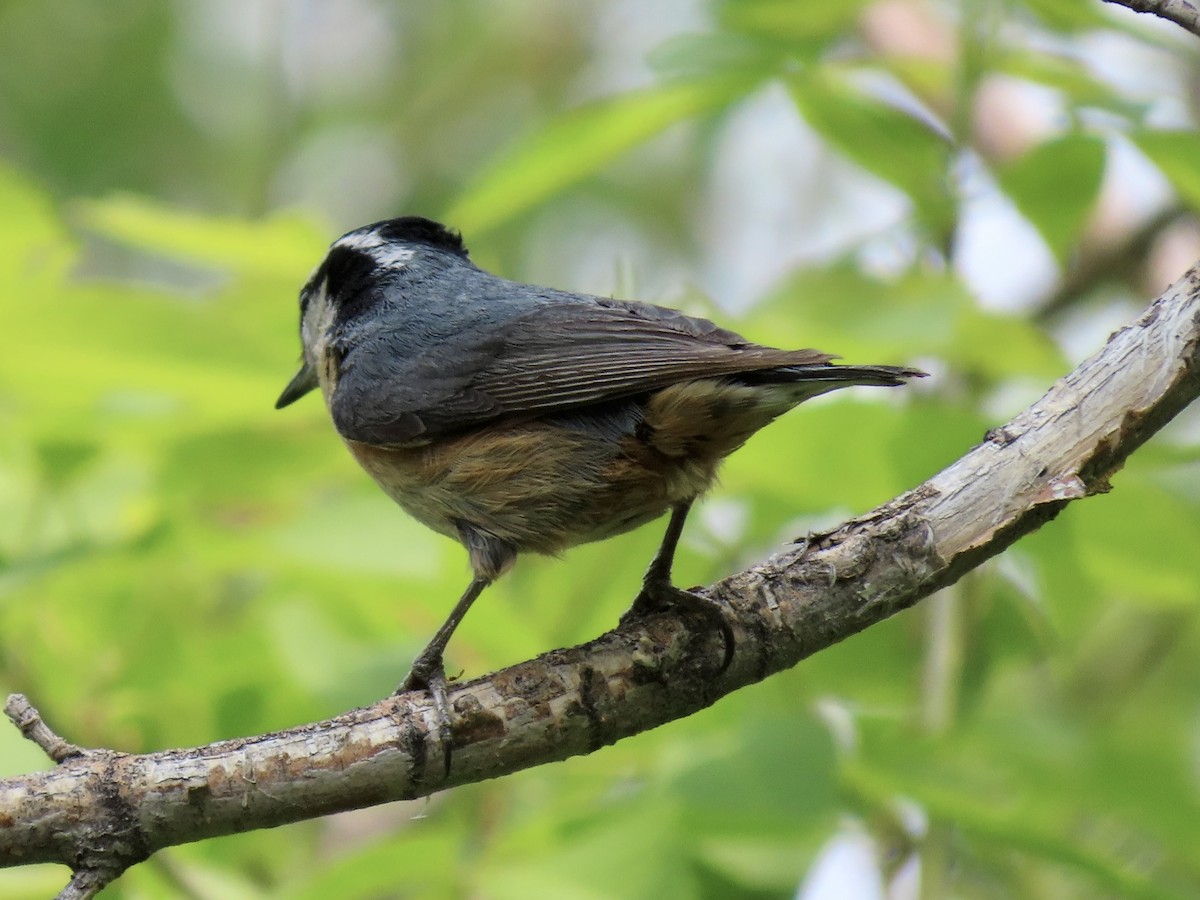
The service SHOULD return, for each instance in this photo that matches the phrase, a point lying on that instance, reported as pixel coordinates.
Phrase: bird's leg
(658, 593)
(429, 671)
(658, 575)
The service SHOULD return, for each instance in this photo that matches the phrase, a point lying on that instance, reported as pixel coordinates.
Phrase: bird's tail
(834, 376)
(785, 386)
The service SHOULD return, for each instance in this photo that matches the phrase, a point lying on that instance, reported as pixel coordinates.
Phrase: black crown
(416, 229)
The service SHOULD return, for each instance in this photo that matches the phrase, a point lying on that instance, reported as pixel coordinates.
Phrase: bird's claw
(656, 596)
(429, 674)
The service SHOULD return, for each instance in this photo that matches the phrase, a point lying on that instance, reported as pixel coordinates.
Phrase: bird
(520, 419)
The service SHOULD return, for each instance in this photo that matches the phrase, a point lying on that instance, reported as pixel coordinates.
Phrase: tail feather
(834, 376)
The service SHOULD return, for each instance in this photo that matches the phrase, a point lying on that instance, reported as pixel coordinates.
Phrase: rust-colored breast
(544, 485)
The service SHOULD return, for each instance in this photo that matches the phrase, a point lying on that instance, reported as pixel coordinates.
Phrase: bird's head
(354, 281)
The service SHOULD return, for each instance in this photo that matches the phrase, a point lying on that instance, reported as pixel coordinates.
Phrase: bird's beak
(303, 382)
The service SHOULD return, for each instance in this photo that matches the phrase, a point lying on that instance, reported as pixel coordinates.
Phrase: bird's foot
(659, 595)
(428, 673)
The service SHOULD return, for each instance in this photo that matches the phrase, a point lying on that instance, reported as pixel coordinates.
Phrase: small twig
(1183, 13)
(25, 716)
(85, 884)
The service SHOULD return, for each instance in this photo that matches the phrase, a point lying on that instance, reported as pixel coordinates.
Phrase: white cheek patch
(318, 318)
(387, 255)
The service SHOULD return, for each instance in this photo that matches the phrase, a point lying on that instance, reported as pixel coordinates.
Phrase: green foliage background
(180, 564)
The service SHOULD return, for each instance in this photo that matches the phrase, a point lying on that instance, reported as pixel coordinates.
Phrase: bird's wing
(557, 357)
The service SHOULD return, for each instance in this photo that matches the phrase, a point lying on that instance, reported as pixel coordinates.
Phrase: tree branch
(1184, 13)
(100, 811)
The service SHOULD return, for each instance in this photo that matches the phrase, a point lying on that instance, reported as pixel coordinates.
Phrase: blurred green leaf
(1000, 345)
(838, 454)
(284, 246)
(699, 56)
(34, 246)
(789, 23)
(790, 789)
(1070, 76)
(198, 878)
(1068, 15)
(864, 319)
(922, 312)
(891, 144)
(1014, 786)
(1055, 185)
(62, 460)
(635, 856)
(1175, 153)
(428, 855)
(1141, 565)
(363, 534)
(33, 882)
(577, 145)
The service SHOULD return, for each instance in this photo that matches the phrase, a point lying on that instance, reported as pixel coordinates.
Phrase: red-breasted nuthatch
(519, 419)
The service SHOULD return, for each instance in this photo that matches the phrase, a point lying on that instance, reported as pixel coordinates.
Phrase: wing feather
(559, 356)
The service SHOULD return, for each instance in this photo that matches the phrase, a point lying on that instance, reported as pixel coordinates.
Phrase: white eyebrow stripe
(387, 254)
(360, 240)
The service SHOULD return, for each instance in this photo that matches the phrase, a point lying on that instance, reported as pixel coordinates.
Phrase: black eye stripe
(351, 280)
(340, 268)
(346, 268)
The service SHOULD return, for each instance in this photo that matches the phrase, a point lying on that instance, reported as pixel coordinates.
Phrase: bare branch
(100, 811)
(85, 884)
(25, 716)
(1184, 13)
